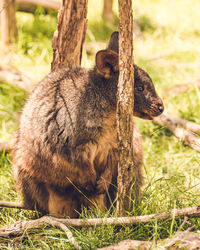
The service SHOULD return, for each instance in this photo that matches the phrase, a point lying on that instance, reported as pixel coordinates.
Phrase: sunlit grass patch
(11, 101)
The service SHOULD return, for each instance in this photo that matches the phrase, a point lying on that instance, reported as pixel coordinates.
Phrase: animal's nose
(160, 107)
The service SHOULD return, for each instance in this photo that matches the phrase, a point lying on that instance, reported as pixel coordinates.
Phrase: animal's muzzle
(160, 107)
(157, 108)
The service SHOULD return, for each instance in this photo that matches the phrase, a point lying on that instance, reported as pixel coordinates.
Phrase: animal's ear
(107, 63)
(114, 42)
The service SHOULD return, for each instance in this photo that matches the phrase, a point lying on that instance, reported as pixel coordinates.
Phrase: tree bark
(8, 22)
(125, 104)
(68, 39)
(107, 11)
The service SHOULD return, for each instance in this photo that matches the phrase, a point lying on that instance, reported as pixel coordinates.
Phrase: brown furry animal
(66, 148)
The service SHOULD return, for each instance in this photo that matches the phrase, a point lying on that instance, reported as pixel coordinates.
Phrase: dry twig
(191, 126)
(10, 204)
(185, 221)
(31, 5)
(129, 244)
(179, 88)
(163, 54)
(181, 240)
(53, 221)
(19, 227)
(178, 127)
(15, 78)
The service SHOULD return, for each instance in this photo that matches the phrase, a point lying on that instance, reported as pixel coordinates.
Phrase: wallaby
(65, 153)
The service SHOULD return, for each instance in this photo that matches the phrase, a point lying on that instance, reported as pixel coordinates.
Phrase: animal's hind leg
(63, 204)
(35, 195)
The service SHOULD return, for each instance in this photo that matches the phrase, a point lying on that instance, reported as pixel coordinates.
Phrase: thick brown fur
(65, 152)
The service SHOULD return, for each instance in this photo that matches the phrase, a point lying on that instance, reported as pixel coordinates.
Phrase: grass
(172, 170)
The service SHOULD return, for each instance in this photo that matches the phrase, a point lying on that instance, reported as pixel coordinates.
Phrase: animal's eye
(140, 88)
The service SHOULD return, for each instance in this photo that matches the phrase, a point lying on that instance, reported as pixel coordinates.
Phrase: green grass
(171, 169)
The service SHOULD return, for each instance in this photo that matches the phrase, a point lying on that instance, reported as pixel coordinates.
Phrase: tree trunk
(107, 11)
(8, 23)
(125, 107)
(68, 39)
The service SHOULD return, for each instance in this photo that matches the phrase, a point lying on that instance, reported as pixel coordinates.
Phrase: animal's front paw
(89, 186)
(87, 181)
(101, 186)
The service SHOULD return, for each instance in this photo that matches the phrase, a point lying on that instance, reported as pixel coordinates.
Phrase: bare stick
(11, 204)
(177, 129)
(181, 240)
(56, 223)
(179, 88)
(185, 221)
(19, 227)
(163, 54)
(129, 244)
(16, 228)
(31, 5)
(15, 78)
(177, 121)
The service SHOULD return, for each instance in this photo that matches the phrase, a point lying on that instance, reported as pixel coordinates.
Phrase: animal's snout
(157, 108)
(160, 107)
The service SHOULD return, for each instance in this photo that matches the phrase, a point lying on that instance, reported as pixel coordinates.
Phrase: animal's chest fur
(106, 142)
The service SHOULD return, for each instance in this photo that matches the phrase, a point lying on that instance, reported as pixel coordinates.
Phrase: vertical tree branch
(125, 106)
(107, 11)
(68, 39)
(4, 23)
(8, 22)
(12, 22)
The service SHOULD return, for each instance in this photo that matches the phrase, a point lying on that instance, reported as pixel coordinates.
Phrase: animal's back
(51, 111)
(46, 125)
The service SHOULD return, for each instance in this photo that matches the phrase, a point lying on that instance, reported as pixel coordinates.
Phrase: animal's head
(147, 104)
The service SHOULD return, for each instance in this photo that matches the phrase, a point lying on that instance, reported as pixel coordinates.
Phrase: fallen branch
(19, 227)
(185, 221)
(15, 78)
(129, 244)
(56, 223)
(10, 204)
(181, 240)
(180, 88)
(33, 224)
(31, 5)
(177, 121)
(163, 54)
(178, 127)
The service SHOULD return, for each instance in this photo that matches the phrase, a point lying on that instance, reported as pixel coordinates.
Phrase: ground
(165, 28)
